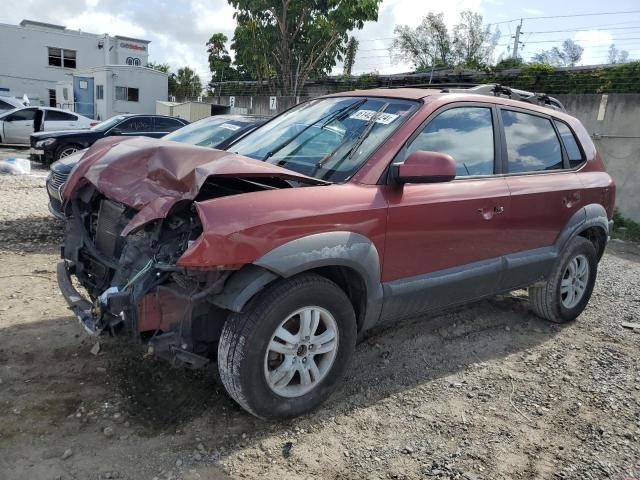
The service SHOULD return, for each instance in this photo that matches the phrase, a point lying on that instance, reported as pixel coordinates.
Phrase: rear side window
(570, 144)
(465, 133)
(55, 116)
(167, 124)
(21, 115)
(532, 143)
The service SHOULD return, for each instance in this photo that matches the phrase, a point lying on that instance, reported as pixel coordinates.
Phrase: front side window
(570, 144)
(465, 133)
(22, 115)
(163, 124)
(532, 143)
(327, 138)
(136, 124)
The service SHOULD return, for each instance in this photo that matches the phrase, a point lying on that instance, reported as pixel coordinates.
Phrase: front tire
(286, 352)
(66, 150)
(564, 296)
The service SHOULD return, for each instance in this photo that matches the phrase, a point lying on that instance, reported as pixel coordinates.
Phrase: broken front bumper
(94, 317)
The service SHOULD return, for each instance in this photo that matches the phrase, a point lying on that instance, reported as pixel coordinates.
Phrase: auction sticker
(230, 126)
(366, 115)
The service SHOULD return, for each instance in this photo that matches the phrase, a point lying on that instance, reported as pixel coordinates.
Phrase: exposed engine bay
(133, 282)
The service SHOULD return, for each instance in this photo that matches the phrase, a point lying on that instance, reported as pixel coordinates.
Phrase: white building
(35, 56)
(102, 92)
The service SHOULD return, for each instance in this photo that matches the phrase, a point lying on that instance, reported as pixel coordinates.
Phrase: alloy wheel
(574, 281)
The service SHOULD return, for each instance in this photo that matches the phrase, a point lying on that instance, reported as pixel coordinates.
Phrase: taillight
(93, 124)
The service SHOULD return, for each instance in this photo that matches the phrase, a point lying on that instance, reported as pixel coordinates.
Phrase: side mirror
(115, 131)
(426, 167)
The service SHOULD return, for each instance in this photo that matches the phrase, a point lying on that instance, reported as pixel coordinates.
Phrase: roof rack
(497, 90)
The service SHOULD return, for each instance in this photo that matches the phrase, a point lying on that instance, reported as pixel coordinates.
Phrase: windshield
(328, 138)
(208, 132)
(107, 124)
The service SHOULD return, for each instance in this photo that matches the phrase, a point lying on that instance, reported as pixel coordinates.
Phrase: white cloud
(595, 43)
(98, 22)
(532, 11)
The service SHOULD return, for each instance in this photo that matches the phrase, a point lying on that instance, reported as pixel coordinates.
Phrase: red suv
(274, 257)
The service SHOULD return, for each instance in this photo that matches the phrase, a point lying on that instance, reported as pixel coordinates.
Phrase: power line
(566, 16)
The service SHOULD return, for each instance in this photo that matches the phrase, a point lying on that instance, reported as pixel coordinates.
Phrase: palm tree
(187, 83)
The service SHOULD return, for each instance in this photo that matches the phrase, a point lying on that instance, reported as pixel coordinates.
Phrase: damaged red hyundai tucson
(347, 211)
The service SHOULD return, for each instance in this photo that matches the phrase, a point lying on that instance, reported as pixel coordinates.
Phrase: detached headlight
(45, 143)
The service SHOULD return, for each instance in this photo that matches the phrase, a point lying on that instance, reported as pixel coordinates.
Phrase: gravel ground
(483, 392)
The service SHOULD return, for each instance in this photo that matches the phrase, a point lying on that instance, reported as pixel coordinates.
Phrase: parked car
(9, 103)
(215, 132)
(17, 125)
(339, 214)
(51, 146)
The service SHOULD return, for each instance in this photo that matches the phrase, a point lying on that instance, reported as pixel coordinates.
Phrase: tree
(426, 46)
(617, 56)
(568, 56)
(171, 79)
(219, 59)
(430, 45)
(187, 83)
(350, 56)
(295, 39)
(473, 44)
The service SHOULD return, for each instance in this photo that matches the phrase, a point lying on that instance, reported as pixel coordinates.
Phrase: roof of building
(34, 23)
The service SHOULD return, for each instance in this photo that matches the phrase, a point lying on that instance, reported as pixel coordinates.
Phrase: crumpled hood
(151, 175)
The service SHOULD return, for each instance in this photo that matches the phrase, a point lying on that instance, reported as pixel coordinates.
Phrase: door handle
(488, 213)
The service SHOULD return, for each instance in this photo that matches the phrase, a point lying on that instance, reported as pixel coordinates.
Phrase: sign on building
(273, 103)
(232, 101)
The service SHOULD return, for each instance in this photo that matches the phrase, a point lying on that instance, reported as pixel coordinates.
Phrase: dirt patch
(487, 391)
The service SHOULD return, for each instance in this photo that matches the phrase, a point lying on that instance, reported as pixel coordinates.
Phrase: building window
(60, 57)
(52, 97)
(127, 94)
(133, 61)
(99, 92)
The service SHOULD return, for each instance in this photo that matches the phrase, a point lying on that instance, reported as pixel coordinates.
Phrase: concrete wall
(614, 124)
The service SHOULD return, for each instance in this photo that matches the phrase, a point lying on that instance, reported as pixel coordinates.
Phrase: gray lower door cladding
(453, 286)
(433, 291)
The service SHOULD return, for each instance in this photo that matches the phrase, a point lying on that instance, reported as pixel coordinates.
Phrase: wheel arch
(591, 222)
(348, 259)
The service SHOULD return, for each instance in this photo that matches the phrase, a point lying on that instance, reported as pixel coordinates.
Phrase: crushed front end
(133, 285)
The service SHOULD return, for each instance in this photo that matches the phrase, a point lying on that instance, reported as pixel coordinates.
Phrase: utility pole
(516, 41)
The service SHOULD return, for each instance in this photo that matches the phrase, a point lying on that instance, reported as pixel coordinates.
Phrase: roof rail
(497, 90)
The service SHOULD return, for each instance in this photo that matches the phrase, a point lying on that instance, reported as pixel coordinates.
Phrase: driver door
(445, 240)
(19, 125)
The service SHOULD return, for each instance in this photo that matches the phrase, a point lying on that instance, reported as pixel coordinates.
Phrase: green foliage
(537, 77)
(291, 40)
(509, 63)
(568, 56)
(350, 56)
(187, 83)
(430, 45)
(165, 68)
(625, 229)
(220, 63)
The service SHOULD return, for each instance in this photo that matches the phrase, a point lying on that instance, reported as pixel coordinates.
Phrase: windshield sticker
(230, 126)
(366, 115)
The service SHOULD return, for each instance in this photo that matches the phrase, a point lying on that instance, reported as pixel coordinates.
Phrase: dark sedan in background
(51, 146)
(219, 132)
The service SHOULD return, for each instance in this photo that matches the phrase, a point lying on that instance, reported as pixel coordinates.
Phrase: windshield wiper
(359, 141)
(328, 119)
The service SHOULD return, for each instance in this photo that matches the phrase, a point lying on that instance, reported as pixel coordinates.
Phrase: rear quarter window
(570, 144)
(532, 143)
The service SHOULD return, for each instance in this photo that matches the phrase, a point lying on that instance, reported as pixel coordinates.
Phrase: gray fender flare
(347, 249)
(592, 215)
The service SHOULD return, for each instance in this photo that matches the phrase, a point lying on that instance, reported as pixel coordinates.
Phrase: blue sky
(179, 29)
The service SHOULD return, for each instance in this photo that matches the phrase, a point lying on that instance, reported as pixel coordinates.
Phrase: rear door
(19, 125)
(545, 191)
(445, 240)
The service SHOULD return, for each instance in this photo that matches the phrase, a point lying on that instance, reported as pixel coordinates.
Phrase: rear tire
(567, 291)
(270, 364)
